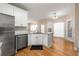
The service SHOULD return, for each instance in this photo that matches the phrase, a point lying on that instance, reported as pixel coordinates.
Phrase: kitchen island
(44, 39)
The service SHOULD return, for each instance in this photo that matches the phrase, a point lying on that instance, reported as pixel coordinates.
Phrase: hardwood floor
(60, 47)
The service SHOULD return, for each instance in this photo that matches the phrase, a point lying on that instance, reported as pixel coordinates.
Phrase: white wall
(70, 17)
(76, 24)
(74, 17)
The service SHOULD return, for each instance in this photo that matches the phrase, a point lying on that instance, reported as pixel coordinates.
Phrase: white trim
(70, 39)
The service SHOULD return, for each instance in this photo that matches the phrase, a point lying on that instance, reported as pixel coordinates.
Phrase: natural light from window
(34, 27)
(59, 29)
(42, 28)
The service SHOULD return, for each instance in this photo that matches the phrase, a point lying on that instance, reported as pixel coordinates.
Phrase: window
(59, 29)
(69, 29)
(42, 28)
(34, 27)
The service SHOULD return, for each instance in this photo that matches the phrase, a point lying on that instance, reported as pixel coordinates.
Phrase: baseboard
(58, 37)
(69, 39)
(65, 39)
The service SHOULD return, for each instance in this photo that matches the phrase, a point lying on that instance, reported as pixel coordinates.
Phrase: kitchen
(20, 28)
(25, 30)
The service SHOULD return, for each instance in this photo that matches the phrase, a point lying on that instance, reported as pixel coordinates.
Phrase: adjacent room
(39, 29)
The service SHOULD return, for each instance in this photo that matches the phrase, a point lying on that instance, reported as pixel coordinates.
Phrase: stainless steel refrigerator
(7, 39)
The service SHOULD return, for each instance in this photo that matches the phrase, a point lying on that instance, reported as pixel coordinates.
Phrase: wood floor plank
(60, 47)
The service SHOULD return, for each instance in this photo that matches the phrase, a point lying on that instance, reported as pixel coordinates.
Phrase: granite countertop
(20, 32)
(42, 33)
(25, 32)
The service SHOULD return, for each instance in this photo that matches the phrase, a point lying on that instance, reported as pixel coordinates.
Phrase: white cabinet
(36, 39)
(29, 39)
(20, 14)
(7, 9)
(0, 8)
(20, 17)
(50, 39)
(40, 39)
(45, 40)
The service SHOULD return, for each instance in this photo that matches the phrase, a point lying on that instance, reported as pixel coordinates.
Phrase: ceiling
(42, 10)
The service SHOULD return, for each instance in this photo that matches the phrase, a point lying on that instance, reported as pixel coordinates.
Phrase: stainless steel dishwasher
(21, 41)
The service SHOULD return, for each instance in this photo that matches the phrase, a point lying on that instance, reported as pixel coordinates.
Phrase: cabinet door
(33, 39)
(7, 9)
(39, 39)
(1, 7)
(29, 39)
(36, 39)
(20, 17)
(45, 40)
(50, 40)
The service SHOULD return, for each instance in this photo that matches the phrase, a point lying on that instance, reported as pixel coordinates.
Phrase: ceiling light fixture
(53, 15)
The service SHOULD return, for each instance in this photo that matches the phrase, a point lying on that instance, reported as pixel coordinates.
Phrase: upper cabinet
(20, 17)
(6, 9)
(20, 14)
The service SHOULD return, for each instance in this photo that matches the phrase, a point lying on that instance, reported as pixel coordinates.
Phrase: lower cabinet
(40, 39)
(36, 39)
(21, 41)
